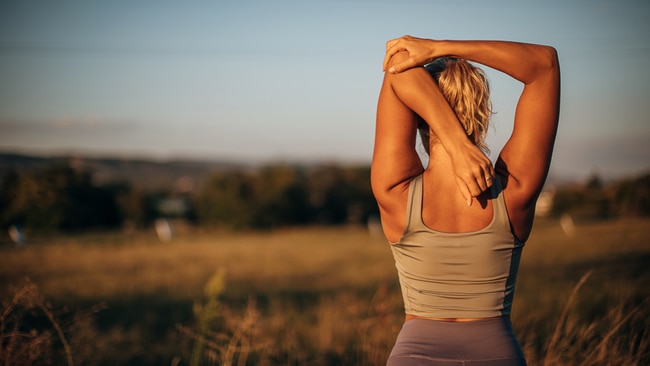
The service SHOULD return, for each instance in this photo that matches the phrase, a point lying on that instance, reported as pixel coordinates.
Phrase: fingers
(394, 42)
(489, 180)
(475, 188)
(489, 176)
(484, 181)
(391, 43)
(390, 51)
(405, 65)
(474, 184)
(392, 47)
(485, 175)
(464, 191)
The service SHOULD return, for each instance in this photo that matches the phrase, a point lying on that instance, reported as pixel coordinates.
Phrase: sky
(298, 81)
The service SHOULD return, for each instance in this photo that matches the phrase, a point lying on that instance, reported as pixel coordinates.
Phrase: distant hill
(152, 174)
(148, 174)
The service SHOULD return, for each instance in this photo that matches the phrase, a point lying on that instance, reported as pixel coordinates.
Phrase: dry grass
(22, 345)
(323, 296)
(100, 266)
(581, 298)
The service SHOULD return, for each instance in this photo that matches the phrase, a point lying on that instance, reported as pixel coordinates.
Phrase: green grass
(317, 296)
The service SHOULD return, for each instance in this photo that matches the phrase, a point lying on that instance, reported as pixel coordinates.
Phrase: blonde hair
(467, 90)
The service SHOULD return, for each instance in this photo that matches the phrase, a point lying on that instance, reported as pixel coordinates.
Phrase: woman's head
(467, 90)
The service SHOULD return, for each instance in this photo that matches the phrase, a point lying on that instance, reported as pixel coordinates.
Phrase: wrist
(433, 52)
(457, 147)
(445, 48)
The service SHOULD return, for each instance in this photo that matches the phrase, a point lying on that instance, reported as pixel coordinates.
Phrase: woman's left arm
(403, 98)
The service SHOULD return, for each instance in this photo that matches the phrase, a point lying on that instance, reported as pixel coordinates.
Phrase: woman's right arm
(525, 159)
(527, 155)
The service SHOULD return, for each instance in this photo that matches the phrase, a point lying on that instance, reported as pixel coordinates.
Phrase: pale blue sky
(298, 80)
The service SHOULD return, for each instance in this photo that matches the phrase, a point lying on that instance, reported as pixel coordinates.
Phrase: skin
(458, 173)
(522, 165)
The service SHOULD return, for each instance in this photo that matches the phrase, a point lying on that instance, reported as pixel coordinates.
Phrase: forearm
(522, 61)
(417, 90)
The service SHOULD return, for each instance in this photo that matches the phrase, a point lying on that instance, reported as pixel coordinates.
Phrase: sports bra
(457, 275)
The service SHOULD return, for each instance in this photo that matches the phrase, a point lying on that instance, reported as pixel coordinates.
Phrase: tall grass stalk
(208, 313)
(573, 343)
(561, 323)
(20, 346)
(598, 353)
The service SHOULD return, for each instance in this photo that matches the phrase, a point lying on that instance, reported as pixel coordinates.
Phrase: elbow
(377, 179)
(379, 191)
(546, 66)
(550, 59)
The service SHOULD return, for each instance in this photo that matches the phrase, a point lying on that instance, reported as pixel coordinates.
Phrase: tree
(283, 195)
(227, 200)
(58, 198)
(632, 196)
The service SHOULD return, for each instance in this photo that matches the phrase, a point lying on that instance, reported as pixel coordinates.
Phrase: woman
(457, 227)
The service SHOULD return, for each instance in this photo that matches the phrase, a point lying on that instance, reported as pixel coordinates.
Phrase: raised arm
(526, 157)
(406, 99)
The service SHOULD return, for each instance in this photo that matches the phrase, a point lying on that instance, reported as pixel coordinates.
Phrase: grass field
(312, 296)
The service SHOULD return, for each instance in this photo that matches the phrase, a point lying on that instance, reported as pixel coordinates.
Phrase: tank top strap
(414, 204)
(501, 217)
(415, 197)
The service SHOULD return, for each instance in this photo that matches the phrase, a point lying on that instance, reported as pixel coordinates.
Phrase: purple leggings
(489, 342)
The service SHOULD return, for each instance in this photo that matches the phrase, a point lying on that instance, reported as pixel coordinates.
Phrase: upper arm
(526, 157)
(395, 160)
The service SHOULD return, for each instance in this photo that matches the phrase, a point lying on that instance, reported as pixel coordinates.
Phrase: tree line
(596, 200)
(61, 198)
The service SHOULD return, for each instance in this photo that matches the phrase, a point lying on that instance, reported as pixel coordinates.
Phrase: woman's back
(443, 208)
(468, 274)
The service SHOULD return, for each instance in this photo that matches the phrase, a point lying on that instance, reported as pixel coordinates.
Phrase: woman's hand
(473, 170)
(420, 50)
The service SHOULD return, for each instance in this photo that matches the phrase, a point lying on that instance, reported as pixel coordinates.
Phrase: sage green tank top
(457, 275)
